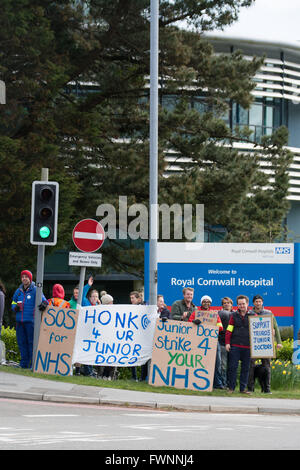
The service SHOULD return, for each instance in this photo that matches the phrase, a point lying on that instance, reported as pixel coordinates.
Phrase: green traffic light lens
(44, 232)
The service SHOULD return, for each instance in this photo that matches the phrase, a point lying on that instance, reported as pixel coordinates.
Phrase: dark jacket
(224, 316)
(237, 333)
(164, 312)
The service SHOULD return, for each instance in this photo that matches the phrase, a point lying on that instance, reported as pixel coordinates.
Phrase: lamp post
(153, 176)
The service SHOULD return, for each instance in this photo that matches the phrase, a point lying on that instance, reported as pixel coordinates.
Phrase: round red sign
(88, 235)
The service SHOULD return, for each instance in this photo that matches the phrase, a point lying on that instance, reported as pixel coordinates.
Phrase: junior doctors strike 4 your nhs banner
(228, 269)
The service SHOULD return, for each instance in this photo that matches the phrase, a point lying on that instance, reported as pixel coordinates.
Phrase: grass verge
(145, 387)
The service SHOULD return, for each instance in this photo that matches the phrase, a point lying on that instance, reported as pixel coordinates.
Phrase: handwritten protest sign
(261, 336)
(115, 335)
(56, 341)
(184, 355)
(208, 316)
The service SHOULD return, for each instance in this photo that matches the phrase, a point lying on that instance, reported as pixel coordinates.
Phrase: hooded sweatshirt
(58, 295)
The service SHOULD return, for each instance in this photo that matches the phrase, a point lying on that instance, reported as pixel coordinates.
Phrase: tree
(77, 103)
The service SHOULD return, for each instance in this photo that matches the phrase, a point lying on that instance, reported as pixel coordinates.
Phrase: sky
(269, 19)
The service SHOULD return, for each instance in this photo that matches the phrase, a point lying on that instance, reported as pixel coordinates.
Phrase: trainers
(246, 392)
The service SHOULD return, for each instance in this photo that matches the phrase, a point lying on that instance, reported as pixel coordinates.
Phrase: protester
(58, 297)
(74, 299)
(206, 302)
(135, 298)
(2, 304)
(23, 304)
(90, 297)
(237, 343)
(224, 315)
(266, 363)
(107, 372)
(181, 310)
(106, 299)
(162, 309)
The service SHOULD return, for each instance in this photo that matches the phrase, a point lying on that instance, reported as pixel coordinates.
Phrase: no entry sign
(88, 235)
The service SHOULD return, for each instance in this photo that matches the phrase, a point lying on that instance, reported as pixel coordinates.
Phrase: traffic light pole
(39, 285)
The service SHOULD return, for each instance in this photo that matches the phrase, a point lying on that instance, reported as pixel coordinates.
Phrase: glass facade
(263, 118)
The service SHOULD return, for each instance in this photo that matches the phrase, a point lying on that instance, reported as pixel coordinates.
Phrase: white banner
(115, 335)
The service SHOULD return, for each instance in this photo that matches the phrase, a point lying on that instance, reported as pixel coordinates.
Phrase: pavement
(21, 387)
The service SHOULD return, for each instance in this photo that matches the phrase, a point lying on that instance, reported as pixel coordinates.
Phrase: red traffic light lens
(46, 193)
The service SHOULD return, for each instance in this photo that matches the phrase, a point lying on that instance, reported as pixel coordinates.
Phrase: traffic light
(44, 213)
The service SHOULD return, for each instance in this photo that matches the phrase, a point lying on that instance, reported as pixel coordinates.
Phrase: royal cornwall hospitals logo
(282, 250)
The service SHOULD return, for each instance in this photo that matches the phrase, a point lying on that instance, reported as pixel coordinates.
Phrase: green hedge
(9, 338)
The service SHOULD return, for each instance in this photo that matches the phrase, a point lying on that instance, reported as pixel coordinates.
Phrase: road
(49, 426)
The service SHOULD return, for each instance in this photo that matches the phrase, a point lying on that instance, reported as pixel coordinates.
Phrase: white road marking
(49, 416)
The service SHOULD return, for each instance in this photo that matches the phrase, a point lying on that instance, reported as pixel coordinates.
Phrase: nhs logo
(282, 250)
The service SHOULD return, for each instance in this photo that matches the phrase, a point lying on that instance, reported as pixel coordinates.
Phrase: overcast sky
(269, 19)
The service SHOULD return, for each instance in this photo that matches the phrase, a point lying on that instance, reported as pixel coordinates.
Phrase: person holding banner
(206, 302)
(259, 309)
(88, 299)
(224, 315)
(23, 305)
(107, 372)
(163, 311)
(237, 343)
(181, 310)
(136, 299)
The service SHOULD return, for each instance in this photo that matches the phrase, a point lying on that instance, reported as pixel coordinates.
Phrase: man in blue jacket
(23, 304)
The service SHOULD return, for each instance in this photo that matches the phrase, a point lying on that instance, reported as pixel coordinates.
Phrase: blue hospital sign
(229, 269)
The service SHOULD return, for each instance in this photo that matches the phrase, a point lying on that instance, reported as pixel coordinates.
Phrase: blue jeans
(218, 376)
(24, 332)
(237, 354)
(224, 365)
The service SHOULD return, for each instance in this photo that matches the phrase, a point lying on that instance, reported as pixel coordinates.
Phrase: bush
(9, 338)
(286, 332)
(286, 352)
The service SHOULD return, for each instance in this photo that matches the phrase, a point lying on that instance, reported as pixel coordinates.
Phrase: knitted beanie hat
(106, 299)
(27, 273)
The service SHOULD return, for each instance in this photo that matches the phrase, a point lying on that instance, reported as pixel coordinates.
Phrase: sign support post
(81, 284)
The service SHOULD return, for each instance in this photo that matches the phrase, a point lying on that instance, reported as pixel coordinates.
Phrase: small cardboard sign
(207, 316)
(262, 344)
(56, 341)
(184, 355)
